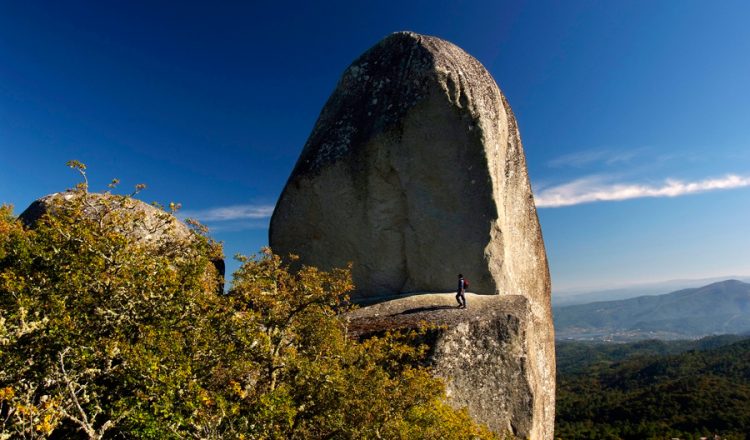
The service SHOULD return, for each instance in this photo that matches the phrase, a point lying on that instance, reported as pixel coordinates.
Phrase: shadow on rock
(427, 309)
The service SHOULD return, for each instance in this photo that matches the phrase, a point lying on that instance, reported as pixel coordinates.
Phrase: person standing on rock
(461, 293)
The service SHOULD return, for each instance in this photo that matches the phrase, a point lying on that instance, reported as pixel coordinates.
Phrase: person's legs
(458, 298)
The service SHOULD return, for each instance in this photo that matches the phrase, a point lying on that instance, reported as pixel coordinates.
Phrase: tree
(314, 381)
(105, 335)
(80, 294)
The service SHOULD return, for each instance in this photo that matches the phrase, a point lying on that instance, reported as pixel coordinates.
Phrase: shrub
(104, 336)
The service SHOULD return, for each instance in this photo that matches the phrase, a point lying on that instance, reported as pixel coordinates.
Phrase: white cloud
(594, 189)
(240, 225)
(230, 213)
(580, 159)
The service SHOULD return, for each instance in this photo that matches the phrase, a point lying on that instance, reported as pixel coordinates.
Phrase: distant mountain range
(571, 297)
(718, 308)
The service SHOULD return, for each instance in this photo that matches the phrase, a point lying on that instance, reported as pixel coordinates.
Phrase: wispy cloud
(230, 213)
(595, 189)
(584, 158)
(240, 225)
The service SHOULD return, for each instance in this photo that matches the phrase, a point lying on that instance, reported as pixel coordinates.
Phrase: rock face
(155, 228)
(415, 172)
(482, 353)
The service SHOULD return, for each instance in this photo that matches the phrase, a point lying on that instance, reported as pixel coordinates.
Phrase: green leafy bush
(105, 336)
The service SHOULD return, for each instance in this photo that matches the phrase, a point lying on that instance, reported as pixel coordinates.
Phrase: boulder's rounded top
(387, 81)
(154, 226)
(438, 55)
(156, 221)
(406, 36)
(435, 45)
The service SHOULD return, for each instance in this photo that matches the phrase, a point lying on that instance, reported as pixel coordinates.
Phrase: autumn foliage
(103, 336)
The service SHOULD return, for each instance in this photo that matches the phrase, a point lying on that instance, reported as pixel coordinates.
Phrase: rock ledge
(481, 352)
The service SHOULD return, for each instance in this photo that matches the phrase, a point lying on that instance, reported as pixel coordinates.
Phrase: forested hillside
(635, 391)
(576, 356)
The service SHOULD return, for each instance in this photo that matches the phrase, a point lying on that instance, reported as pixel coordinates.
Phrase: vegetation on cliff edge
(103, 336)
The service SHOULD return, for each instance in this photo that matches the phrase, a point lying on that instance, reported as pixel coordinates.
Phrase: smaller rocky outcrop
(483, 353)
(154, 227)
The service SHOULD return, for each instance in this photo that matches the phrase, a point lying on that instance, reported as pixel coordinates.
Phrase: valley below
(654, 389)
(672, 366)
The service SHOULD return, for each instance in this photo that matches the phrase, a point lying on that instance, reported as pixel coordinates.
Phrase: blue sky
(634, 115)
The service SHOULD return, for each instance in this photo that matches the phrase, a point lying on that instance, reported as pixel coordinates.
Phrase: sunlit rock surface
(482, 353)
(415, 172)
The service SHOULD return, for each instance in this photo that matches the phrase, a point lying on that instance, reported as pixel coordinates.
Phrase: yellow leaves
(196, 226)
(81, 168)
(5, 226)
(205, 398)
(6, 393)
(47, 424)
(6, 211)
(271, 359)
(25, 410)
(237, 389)
(12, 282)
(76, 165)
(42, 417)
(112, 349)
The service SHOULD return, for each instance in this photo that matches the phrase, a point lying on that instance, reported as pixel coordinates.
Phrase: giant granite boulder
(415, 172)
(150, 225)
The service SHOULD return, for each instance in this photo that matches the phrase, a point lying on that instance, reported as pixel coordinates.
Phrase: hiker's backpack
(466, 284)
